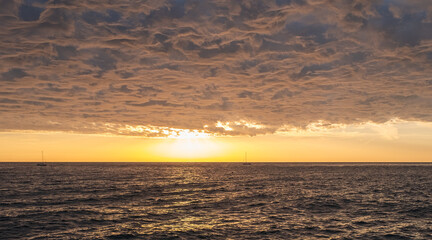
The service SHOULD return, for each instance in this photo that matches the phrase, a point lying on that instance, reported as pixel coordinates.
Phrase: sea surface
(215, 201)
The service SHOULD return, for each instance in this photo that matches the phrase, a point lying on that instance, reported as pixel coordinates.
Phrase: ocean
(215, 201)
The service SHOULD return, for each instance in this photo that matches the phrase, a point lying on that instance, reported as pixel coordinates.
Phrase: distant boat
(42, 164)
(245, 160)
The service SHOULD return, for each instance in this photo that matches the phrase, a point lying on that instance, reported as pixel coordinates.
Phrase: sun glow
(189, 145)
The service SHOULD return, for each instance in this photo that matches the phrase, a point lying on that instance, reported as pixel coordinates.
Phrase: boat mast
(42, 156)
(245, 157)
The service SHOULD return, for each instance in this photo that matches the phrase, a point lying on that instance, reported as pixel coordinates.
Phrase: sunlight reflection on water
(215, 200)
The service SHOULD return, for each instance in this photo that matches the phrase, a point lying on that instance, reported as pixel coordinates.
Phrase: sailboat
(245, 160)
(43, 162)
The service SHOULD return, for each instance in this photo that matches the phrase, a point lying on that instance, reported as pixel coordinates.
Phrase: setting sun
(189, 146)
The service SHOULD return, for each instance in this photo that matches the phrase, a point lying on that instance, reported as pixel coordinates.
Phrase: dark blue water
(215, 201)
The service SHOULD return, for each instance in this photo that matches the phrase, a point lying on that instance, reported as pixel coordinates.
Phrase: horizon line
(428, 162)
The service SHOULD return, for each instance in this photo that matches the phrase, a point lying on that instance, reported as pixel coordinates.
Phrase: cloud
(13, 74)
(97, 67)
(65, 52)
(29, 13)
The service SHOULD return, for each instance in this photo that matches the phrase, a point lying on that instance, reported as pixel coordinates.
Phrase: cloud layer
(99, 67)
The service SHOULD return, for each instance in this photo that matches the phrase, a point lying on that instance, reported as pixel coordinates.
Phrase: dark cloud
(231, 47)
(51, 99)
(102, 59)
(163, 103)
(94, 17)
(407, 29)
(248, 94)
(122, 89)
(29, 13)
(97, 66)
(7, 100)
(13, 74)
(65, 52)
(148, 91)
(282, 94)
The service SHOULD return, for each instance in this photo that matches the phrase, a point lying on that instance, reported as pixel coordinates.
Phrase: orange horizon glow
(395, 141)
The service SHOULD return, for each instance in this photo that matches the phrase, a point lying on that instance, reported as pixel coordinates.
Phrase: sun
(189, 145)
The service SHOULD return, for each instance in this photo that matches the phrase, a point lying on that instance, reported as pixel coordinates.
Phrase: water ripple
(215, 201)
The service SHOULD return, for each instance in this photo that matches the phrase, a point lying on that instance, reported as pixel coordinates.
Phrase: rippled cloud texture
(107, 66)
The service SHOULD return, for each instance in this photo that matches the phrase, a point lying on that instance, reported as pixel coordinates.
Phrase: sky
(207, 80)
